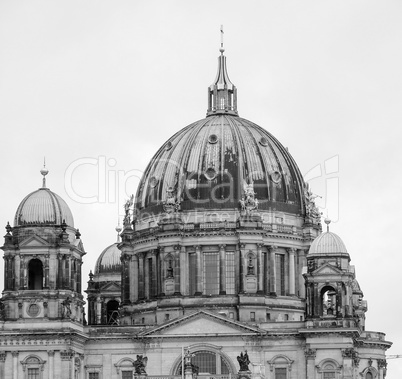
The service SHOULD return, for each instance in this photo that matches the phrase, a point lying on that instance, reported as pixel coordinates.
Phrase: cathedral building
(221, 270)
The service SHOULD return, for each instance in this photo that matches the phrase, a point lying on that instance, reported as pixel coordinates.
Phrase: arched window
(35, 274)
(112, 312)
(208, 362)
(328, 301)
(281, 366)
(329, 369)
(33, 367)
(369, 375)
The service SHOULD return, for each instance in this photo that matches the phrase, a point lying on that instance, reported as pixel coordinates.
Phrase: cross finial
(222, 49)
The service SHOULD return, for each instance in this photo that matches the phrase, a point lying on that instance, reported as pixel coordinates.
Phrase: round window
(213, 138)
(210, 173)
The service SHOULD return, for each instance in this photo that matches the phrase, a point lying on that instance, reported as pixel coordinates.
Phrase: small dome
(109, 260)
(43, 207)
(327, 243)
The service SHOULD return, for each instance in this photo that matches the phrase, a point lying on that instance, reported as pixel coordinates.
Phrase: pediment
(34, 241)
(201, 323)
(327, 269)
(111, 286)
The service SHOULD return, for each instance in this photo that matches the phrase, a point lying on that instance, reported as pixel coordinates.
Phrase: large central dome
(207, 164)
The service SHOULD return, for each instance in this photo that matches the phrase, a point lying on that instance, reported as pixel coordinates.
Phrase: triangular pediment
(327, 269)
(111, 286)
(201, 323)
(34, 241)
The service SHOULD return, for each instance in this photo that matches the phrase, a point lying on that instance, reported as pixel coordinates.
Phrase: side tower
(104, 287)
(336, 339)
(42, 298)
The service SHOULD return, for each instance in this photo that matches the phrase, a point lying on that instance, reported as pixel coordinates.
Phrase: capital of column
(273, 248)
(50, 353)
(197, 247)
(3, 355)
(291, 250)
(177, 247)
(15, 354)
(222, 247)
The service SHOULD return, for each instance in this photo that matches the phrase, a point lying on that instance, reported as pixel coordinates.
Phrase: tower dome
(43, 207)
(109, 260)
(327, 243)
(207, 164)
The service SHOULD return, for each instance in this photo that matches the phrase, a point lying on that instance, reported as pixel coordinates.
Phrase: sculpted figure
(140, 364)
(243, 361)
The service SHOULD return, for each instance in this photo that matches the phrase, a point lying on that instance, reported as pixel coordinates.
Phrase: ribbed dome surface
(328, 243)
(109, 260)
(208, 162)
(43, 207)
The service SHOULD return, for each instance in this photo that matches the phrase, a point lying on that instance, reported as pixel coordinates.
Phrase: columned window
(230, 273)
(211, 273)
(193, 273)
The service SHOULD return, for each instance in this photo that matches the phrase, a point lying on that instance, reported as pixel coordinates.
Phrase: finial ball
(327, 220)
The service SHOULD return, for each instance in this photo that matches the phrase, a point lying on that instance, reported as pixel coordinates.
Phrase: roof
(43, 207)
(109, 260)
(327, 243)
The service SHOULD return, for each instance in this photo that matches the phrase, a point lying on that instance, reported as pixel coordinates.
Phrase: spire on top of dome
(118, 230)
(327, 221)
(44, 172)
(222, 93)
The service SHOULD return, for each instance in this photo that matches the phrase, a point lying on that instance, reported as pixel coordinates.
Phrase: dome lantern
(222, 93)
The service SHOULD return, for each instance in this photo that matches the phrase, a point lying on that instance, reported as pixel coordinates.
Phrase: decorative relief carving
(310, 353)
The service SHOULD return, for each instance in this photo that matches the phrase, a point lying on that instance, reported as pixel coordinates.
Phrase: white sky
(112, 80)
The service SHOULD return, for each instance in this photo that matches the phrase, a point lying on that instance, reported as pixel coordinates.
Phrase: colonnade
(166, 271)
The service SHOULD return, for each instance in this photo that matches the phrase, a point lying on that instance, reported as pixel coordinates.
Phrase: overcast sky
(108, 82)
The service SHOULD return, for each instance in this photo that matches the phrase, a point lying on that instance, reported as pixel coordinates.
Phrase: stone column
(17, 272)
(302, 263)
(184, 285)
(3, 356)
(161, 271)
(243, 268)
(6, 270)
(272, 270)
(15, 364)
(310, 363)
(46, 276)
(98, 311)
(222, 270)
(141, 292)
(260, 269)
(292, 277)
(72, 365)
(146, 279)
(177, 272)
(200, 287)
(316, 300)
(154, 277)
(134, 279)
(50, 354)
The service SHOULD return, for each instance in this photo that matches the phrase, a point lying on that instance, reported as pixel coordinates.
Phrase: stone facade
(222, 271)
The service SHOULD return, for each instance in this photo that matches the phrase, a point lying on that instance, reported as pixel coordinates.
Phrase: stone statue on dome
(127, 206)
(248, 201)
(171, 204)
(312, 210)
